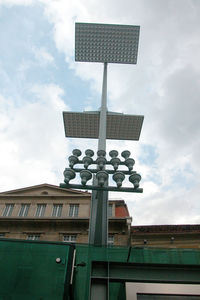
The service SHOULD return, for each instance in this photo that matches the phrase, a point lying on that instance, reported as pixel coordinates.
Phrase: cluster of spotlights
(100, 171)
(101, 160)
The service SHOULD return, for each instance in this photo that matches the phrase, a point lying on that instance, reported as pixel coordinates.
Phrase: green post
(98, 233)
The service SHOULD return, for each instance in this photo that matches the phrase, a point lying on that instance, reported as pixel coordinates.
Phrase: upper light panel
(106, 43)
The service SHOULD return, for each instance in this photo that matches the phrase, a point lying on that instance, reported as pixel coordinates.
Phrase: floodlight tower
(105, 44)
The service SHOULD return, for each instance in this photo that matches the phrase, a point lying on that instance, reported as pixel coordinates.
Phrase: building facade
(50, 213)
(166, 236)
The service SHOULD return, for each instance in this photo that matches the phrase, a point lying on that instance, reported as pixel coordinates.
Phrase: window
(8, 210)
(110, 239)
(2, 235)
(157, 291)
(110, 210)
(69, 238)
(57, 210)
(73, 210)
(23, 212)
(40, 210)
(33, 237)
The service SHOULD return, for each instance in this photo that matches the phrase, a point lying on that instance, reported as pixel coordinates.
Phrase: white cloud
(16, 2)
(43, 56)
(164, 86)
(32, 139)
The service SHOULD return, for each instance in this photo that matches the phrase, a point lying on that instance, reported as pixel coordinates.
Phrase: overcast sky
(39, 79)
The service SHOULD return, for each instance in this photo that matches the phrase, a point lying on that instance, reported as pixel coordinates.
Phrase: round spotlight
(87, 160)
(77, 152)
(125, 154)
(101, 153)
(101, 161)
(135, 179)
(118, 177)
(129, 162)
(85, 176)
(89, 152)
(73, 160)
(68, 175)
(102, 177)
(115, 161)
(113, 153)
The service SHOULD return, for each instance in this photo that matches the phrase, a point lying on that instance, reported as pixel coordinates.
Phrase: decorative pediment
(44, 190)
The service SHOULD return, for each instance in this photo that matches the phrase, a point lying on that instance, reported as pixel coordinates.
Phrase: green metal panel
(89, 254)
(28, 270)
(165, 256)
(137, 272)
(117, 291)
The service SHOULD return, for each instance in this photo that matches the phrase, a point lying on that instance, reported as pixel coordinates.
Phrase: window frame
(73, 210)
(110, 210)
(40, 210)
(8, 209)
(111, 242)
(71, 240)
(58, 212)
(36, 236)
(24, 209)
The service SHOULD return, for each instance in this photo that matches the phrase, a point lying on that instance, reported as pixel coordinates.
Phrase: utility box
(35, 270)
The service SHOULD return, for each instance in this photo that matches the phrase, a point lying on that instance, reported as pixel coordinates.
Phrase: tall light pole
(106, 44)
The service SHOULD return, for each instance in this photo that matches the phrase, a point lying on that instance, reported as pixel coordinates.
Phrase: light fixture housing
(102, 177)
(85, 176)
(106, 43)
(101, 153)
(113, 153)
(115, 161)
(73, 160)
(129, 162)
(125, 154)
(86, 125)
(118, 177)
(135, 179)
(68, 175)
(101, 161)
(77, 152)
(89, 152)
(87, 160)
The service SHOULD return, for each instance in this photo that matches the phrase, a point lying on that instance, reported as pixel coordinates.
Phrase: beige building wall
(166, 236)
(51, 228)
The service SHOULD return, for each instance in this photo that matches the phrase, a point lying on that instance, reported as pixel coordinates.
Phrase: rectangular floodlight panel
(124, 127)
(81, 125)
(86, 125)
(106, 43)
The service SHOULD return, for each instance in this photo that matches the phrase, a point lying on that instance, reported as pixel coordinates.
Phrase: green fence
(34, 270)
(43, 270)
(116, 265)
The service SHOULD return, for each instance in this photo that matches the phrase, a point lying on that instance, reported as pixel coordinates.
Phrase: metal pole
(98, 233)
(103, 112)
